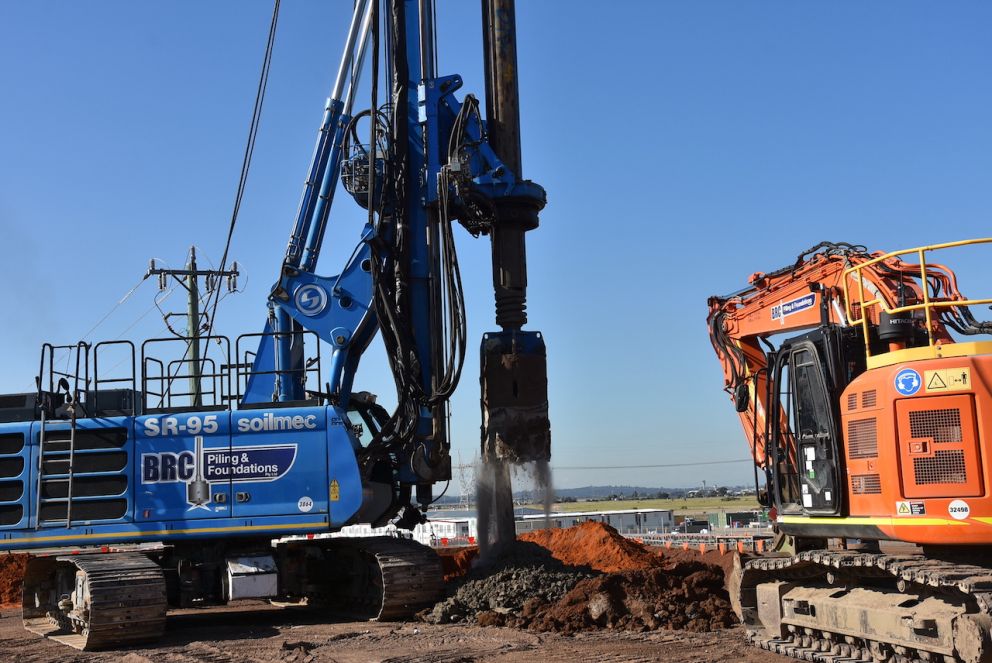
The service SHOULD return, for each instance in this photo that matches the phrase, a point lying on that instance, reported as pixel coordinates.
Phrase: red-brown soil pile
(583, 578)
(714, 557)
(456, 562)
(11, 578)
(596, 546)
(687, 596)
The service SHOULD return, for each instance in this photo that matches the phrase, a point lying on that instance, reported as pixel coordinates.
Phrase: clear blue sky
(683, 146)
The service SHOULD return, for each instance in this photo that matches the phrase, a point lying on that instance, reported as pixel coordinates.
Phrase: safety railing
(307, 374)
(171, 379)
(69, 380)
(117, 392)
(858, 309)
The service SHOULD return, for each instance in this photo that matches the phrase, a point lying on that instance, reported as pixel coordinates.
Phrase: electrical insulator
(163, 282)
(232, 279)
(211, 282)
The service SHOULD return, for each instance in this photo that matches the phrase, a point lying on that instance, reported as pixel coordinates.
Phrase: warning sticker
(911, 509)
(947, 379)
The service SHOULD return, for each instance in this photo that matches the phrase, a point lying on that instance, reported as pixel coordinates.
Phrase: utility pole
(189, 278)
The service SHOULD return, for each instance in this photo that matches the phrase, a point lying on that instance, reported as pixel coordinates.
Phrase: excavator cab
(807, 373)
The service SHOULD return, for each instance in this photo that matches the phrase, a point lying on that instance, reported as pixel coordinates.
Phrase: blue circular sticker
(908, 382)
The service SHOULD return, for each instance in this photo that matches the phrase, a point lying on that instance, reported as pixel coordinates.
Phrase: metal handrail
(928, 305)
(131, 380)
(218, 378)
(245, 369)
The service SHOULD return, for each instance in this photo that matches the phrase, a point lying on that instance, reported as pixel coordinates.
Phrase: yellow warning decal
(947, 379)
(335, 491)
(911, 509)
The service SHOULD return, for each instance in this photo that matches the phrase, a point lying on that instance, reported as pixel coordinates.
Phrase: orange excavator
(865, 393)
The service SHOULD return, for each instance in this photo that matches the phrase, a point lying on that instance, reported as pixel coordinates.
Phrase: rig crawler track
(841, 606)
(401, 577)
(95, 601)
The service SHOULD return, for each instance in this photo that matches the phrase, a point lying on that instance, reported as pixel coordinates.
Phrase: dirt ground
(257, 633)
(584, 594)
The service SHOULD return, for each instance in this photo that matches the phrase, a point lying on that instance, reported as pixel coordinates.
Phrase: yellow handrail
(927, 305)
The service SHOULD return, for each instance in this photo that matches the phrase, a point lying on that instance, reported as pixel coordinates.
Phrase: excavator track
(99, 601)
(842, 606)
(395, 579)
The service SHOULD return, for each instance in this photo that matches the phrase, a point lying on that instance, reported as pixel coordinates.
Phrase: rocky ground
(256, 633)
(583, 593)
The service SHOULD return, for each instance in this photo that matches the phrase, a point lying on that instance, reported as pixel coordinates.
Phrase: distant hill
(602, 492)
(593, 493)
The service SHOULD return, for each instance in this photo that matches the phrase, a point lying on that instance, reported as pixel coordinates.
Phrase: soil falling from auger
(495, 506)
(544, 488)
(496, 524)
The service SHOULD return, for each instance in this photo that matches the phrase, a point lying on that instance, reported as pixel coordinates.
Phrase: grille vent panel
(862, 438)
(941, 425)
(852, 401)
(869, 398)
(866, 484)
(946, 466)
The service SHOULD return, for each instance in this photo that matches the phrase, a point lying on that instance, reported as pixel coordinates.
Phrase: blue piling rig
(186, 498)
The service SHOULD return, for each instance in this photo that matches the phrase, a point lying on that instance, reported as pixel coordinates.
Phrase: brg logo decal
(311, 300)
(908, 382)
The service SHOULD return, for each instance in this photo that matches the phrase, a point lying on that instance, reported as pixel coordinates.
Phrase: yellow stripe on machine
(160, 532)
(880, 521)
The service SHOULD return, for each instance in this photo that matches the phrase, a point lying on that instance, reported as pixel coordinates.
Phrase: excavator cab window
(803, 432)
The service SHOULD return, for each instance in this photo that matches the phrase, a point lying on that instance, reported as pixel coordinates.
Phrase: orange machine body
(916, 467)
(889, 435)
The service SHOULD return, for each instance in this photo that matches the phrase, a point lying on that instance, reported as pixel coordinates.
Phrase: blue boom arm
(437, 148)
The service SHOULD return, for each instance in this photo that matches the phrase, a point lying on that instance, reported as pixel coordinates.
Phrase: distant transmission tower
(466, 477)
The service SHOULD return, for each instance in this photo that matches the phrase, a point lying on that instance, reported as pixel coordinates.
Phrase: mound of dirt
(595, 545)
(725, 561)
(687, 596)
(582, 578)
(12, 577)
(505, 595)
(522, 572)
(456, 562)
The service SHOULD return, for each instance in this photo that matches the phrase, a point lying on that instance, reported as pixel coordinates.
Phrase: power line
(256, 118)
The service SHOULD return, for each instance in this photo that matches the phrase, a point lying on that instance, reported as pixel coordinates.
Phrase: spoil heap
(688, 596)
(523, 572)
(581, 578)
(12, 578)
(594, 545)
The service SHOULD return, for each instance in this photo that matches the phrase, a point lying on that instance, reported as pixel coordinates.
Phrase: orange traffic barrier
(723, 548)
